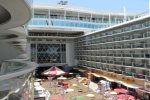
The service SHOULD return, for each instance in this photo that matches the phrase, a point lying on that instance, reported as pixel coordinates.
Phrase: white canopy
(131, 85)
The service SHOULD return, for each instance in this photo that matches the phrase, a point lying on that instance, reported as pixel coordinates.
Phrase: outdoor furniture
(36, 83)
(74, 84)
(113, 93)
(90, 95)
(37, 80)
(69, 90)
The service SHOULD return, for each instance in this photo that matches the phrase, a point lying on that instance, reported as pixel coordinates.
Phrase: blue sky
(111, 5)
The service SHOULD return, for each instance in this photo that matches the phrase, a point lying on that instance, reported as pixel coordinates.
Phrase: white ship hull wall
(8, 51)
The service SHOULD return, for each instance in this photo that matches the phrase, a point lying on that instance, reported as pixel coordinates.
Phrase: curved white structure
(18, 16)
(15, 75)
(12, 17)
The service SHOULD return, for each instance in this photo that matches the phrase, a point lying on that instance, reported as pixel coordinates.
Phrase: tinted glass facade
(66, 23)
(48, 53)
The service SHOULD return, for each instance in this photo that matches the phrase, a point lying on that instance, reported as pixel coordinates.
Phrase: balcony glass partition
(65, 23)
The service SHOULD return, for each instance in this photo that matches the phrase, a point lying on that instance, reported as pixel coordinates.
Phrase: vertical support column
(116, 20)
(64, 13)
(36, 52)
(78, 16)
(49, 17)
(33, 12)
(102, 18)
(109, 19)
(91, 18)
(103, 21)
(70, 53)
(28, 49)
(60, 53)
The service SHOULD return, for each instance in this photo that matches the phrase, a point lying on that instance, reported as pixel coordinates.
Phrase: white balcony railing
(14, 69)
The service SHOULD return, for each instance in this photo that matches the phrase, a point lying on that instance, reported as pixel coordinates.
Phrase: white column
(70, 53)
(36, 52)
(78, 15)
(116, 20)
(103, 19)
(33, 12)
(91, 17)
(109, 19)
(49, 16)
(64, 14)
(28, 49)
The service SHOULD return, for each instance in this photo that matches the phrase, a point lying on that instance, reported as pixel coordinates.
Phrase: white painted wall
(70, 53)
(70, 59)
(7, 51)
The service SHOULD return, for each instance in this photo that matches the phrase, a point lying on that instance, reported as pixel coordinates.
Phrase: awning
(131, 85)
(107, 78)
(142, 90)
(111, 79)
(96, 75)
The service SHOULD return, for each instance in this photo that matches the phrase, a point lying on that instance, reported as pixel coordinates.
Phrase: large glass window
(49, 53)
(54, 22)
(40, 16)
(33, 52)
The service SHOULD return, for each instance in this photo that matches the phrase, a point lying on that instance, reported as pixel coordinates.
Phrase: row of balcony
(123, 30)
(144, 74)
(112, 41)
(80, 18)
(138, 65)
(56, 34)
(112, 55)
(119, 46)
